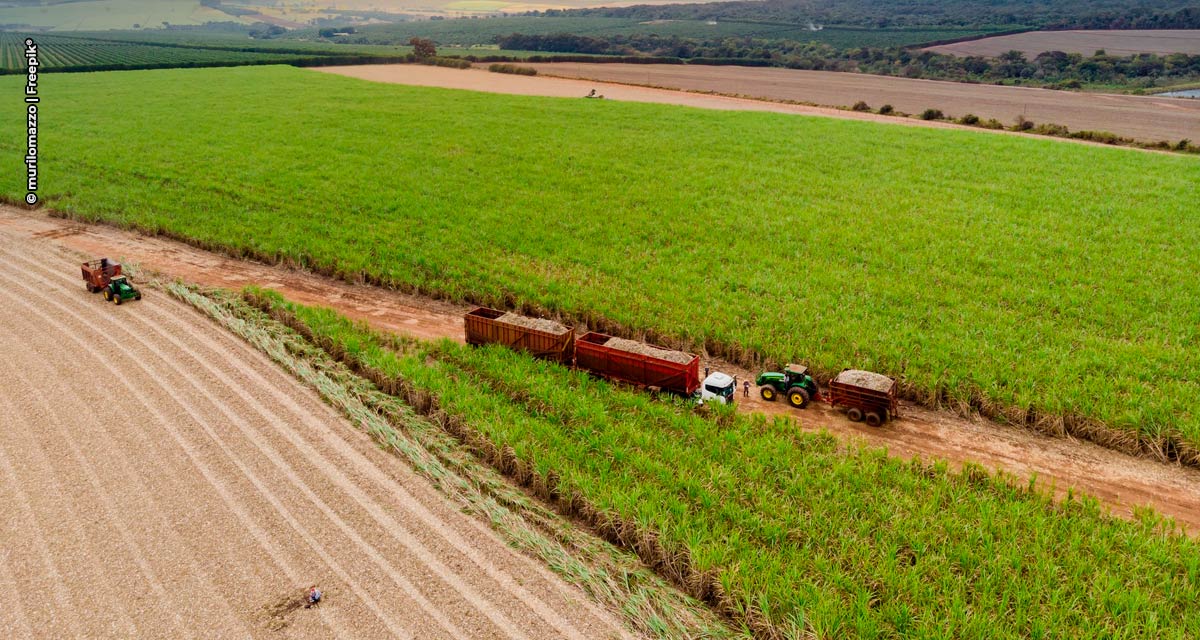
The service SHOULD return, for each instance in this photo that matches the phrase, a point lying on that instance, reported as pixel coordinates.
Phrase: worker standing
(746, 389)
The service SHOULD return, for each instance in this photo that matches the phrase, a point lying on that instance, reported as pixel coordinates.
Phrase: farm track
(1118, 480)
(167, 480)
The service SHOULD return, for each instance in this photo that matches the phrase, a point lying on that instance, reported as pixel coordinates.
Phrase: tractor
(119, 289)
(793, 383)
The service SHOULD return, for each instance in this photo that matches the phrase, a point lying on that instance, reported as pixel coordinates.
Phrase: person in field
(314, 596)
(746, 389)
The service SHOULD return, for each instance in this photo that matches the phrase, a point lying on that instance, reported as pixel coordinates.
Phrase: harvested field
(633, 346)
(1144, 118)
(163, 479)
(1115, 43)
(537, 324)
(865, 380)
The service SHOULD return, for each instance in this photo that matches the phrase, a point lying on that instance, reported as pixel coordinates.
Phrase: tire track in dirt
(132, 391)
(246, 520)
(60, 500)
(134, 555)
(291, 514)
(260, 485)
(388, 524)
(359, 464)
(32, 535)
(12, 614)
(198, 407)
(154, 534)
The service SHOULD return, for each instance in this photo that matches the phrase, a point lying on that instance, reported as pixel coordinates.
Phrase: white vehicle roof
(718, 379)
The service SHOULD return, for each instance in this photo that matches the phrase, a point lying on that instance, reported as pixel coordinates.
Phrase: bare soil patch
(1115, 42)
(1120, 481)
(1144, 118)
(161, 478)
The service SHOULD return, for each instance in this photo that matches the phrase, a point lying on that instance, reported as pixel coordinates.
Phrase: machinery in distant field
(793, 383)
(865, 396)
(105, 275)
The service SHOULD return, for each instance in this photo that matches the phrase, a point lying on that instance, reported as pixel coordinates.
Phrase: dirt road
(1141, 117)
(1119, 480)
(161, 478)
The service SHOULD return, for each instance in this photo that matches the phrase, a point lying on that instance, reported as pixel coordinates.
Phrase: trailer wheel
(798, 397)
(873, 419)
(855, 414)
(767, 393)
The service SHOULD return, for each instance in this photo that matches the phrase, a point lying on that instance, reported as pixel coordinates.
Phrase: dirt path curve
(1121, 481)
(161, 478)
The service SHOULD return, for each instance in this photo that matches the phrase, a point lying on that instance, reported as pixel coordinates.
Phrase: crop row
(70, 52)
(1045, 283)
(786, 532)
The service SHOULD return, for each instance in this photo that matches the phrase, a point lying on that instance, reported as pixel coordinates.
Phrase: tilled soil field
(1140, 117)
(160, 478)
(1118, 480)
(1114, 43)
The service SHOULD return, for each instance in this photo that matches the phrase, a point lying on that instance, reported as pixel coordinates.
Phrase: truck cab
(717, 387)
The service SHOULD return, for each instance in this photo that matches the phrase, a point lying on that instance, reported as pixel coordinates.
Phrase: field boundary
(1171, 448)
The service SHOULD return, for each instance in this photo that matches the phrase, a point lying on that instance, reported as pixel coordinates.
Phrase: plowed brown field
(160, 478)
(1114, 43)
(1118, 480)
(1144, 118)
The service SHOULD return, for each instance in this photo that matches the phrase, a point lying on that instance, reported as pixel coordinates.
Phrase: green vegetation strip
(1043, 283)
(787, 532)
(615, 579)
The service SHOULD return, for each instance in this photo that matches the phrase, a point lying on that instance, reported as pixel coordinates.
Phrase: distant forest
(1046, 14)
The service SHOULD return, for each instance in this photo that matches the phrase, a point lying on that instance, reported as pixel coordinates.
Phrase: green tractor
(793, 383)
(119, 289)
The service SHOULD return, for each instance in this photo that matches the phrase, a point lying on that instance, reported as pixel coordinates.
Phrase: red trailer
(865, 395)
(541, 338)
(98, 273)
(638, 363)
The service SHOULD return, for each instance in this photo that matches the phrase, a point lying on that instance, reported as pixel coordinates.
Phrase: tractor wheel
(798, 397)
(107, 295)
(117, 299)
(767, 393)
(855, 414)
(137, 296)
(873, 419)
